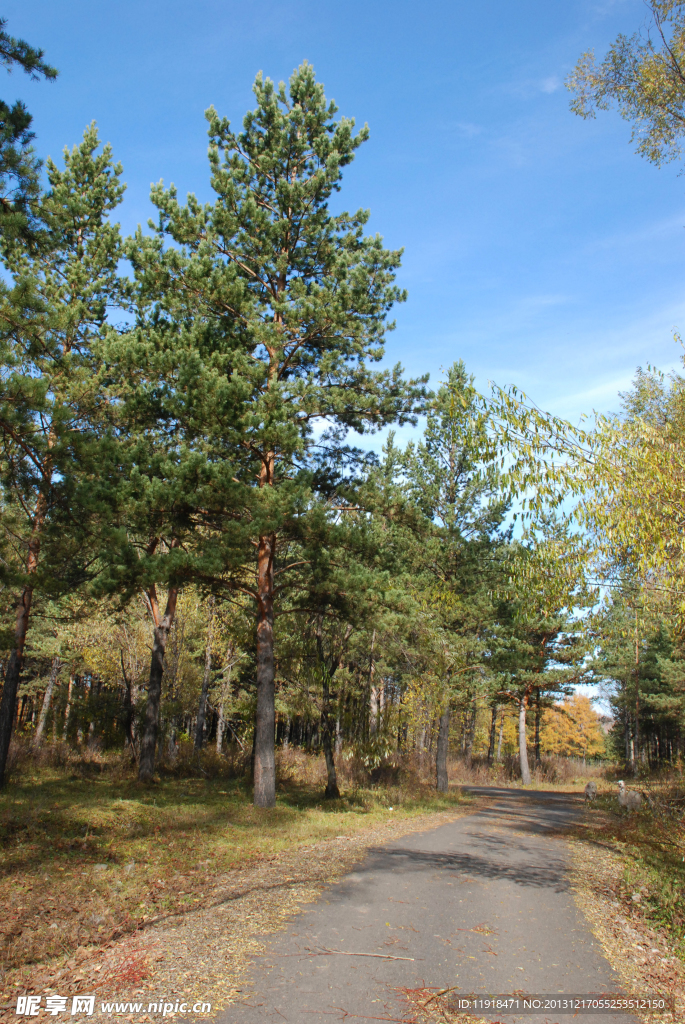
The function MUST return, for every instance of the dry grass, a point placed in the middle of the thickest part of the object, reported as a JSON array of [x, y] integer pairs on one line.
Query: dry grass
[[559, 773], [109, 886], [628, 880]]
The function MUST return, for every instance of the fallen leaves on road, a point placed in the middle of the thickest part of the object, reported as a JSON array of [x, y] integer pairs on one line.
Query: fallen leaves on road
[[431, 1007]]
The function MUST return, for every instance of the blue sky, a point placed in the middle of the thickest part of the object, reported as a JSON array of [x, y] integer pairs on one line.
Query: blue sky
[[538, 247]]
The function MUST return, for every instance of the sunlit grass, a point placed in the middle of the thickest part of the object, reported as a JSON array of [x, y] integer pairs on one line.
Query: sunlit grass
[[85, 860]]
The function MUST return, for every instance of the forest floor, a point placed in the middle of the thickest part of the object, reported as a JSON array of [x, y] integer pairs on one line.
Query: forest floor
[[95, 869]]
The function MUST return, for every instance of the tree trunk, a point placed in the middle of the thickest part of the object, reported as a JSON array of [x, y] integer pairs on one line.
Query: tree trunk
[[12, 673], [499, 740], [373, 696], [332, 791], [470, 731], [128, 707], [148, 744], [442, 750], [538, 714], [493, 733], [338, 736], [54, 672], [206, 679], [67, 709], [265, 721], [523, 747], [373, 711], [220, 729], [23, 613]]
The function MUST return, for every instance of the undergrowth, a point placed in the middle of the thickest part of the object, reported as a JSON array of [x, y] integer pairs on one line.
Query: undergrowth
[[651, 843]]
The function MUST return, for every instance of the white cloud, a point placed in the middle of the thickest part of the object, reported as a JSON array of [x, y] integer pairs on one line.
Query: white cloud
[[550, 84]]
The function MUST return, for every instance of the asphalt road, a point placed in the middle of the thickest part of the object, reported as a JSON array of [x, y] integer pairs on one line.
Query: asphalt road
[[482, 904]]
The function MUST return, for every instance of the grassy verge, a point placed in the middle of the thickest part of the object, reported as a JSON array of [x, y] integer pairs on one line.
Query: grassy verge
[[89, 857], [629, 883], [651, 848]]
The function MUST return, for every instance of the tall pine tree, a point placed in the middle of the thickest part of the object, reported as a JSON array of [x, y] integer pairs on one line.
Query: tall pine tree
[[51, 395], [287, 302]]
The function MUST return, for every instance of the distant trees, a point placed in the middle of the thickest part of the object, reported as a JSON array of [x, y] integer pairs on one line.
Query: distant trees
[[452, 479], [573, 728]]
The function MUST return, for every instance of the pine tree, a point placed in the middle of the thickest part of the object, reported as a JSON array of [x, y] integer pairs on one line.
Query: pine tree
[[19, 168], [53, 385], [540, 648], [286, 304], [452, 478]]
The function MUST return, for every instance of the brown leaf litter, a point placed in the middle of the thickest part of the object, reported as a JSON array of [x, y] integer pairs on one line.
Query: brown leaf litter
[[638, 952]]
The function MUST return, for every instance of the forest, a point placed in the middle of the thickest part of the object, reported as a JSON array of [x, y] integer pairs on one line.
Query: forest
[[201, 548], [276, 614]]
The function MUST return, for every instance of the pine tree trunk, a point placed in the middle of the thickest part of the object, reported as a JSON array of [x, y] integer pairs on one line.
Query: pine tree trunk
[[538, 715], [338, 736], [332, 791], [373, 699], [206, 679], [471, 732], [128, 705], [493, 733], [148, 743], [220, 729], [442, 750], [264, 753], [23, 613], [54, 672], [12, 673], [523, 747], [373, 711]]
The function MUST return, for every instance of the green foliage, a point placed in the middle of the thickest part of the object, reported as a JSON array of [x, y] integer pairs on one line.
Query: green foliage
[[53, 424], [19, 168]]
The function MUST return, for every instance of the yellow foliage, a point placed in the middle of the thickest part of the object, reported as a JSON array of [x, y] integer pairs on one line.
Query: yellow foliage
[[572, 729]]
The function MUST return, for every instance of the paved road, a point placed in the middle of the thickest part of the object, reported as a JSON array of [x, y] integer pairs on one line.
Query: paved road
[[482, 903]]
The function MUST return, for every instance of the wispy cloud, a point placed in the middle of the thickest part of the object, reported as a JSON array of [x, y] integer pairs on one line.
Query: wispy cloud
[[466, 129], [646, 232], [550, 84]]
